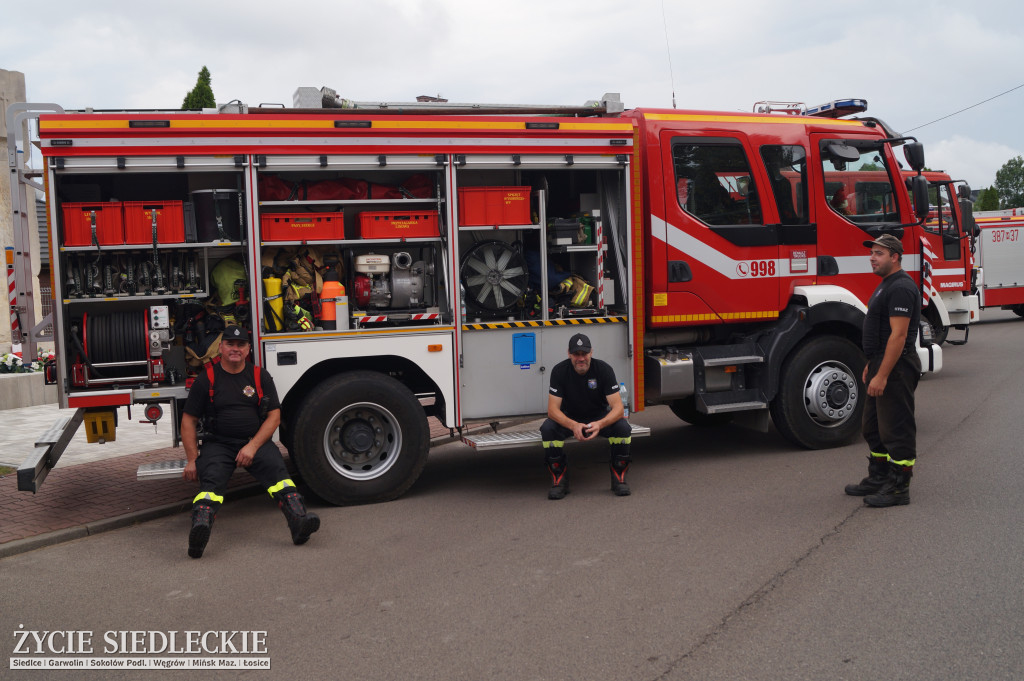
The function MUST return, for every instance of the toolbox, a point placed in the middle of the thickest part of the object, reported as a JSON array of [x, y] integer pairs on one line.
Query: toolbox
[[78, 223], [138, 222], [397, 225], [303, 226], [494, 206]]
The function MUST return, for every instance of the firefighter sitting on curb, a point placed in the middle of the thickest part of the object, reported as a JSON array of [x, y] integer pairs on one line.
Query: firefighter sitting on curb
[[240, 413], [584, 402]]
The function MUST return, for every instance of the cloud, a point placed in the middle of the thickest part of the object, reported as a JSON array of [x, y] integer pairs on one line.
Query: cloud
[[969, 159]]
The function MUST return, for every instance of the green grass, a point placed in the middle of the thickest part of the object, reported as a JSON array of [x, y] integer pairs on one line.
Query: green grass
[[4, 470]]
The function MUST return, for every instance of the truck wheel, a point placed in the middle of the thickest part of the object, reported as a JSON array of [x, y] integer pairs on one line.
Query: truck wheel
[[686, 409], [819, 403], [939, 330], [1018, 310], [360, 437]]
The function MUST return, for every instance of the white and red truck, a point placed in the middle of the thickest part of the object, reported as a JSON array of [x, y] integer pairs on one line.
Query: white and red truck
[[399, 261]]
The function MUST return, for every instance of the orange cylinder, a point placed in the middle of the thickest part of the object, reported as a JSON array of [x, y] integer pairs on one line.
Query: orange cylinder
[[328, 308]]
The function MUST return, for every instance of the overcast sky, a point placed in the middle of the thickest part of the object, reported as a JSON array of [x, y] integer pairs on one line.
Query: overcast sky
[[914, 62]]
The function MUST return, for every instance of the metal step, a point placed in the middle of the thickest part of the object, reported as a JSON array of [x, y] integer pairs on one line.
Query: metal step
[[47, 452], [162, 470], [519, 438], [726, 355], [731, 400]]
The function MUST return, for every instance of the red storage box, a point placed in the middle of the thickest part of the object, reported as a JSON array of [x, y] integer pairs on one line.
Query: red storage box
[[303, 226], [138, 222], [494, 206], [397, 225], [78, 223]]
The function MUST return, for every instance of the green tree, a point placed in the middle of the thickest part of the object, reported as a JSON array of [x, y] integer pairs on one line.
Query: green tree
[[988, 199], [1010, 183], [201, 96]]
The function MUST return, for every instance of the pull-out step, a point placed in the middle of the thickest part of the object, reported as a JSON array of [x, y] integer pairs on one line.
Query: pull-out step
[[518, 438], [162, 470], [728, 355]]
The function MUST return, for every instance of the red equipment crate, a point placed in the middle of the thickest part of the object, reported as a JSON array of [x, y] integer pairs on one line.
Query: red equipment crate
[[397, 225], [494, 206], [303, 226], [78, 223], [138, 222]]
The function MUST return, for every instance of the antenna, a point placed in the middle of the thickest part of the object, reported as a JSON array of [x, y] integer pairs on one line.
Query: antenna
[[671, 75]]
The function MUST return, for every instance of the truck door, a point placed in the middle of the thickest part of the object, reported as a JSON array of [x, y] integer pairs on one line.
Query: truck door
[[856, 197], [721, 255]]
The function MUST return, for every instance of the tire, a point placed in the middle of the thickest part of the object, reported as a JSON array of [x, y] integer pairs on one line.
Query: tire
[[939, 330], [360, 437], [828, 368], [686, 409], [1018, 310]]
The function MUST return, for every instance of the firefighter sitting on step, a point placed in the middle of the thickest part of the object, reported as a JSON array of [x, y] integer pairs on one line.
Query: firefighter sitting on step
[[584, 402], [240, 413]]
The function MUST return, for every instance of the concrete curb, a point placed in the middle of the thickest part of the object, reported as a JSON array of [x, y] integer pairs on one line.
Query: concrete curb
[[18, 546]]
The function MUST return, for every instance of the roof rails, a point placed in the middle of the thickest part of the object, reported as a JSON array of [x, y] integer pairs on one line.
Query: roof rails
[[326, 98], [837, 108]]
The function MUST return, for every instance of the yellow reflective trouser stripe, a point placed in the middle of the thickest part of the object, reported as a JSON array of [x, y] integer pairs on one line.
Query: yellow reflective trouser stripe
[[280, 486], [208, 496], [552, 443], [619, 440], [906, 463]]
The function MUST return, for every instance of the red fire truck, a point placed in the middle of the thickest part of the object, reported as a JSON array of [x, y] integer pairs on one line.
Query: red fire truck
[[400, 261]]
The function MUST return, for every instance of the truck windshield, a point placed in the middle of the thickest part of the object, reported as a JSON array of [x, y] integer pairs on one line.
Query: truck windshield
[[858, 184]]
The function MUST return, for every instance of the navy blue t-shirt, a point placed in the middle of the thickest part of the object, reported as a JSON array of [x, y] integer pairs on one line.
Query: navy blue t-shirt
[[584, 398], [236, 405], [896, 296]]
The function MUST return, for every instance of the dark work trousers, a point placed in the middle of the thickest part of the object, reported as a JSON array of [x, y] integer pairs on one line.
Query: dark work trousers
[[216, 463], [889, 427], [619, 434]]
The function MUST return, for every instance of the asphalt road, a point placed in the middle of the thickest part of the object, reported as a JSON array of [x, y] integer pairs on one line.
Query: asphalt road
[[737, 557]]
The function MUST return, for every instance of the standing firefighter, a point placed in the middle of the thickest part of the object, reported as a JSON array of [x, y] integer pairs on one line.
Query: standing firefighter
[[240, 410], [584, 402], [891, 376]]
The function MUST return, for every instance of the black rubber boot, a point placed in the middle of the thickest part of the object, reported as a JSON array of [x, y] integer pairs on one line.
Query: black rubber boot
[[619, 466], [557, 467], [895, 491], [203, 514], [878, 473], [300, 522]]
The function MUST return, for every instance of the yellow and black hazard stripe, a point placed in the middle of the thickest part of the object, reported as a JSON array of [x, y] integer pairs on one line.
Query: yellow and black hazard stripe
[[489, 326]]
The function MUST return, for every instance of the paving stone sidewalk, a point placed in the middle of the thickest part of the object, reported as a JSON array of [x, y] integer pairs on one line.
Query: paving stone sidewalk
[[90, 496]]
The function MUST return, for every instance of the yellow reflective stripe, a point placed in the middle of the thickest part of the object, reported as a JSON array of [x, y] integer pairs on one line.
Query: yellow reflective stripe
[[208, 496], [280, 486], [906, 463], [879, 455], [619, 440], [552, 443]]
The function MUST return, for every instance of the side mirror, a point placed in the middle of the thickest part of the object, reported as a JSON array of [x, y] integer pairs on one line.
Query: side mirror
[[914, 153], [963, 190], [967, 215], [919, 190], [842, 153]]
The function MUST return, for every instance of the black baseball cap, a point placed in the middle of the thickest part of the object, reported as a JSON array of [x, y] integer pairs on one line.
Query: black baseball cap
[[579, 343], [236, 333], [886, 241]]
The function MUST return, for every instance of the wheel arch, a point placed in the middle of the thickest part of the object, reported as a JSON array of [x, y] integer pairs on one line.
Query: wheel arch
[[402, 369], [802, 321]]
